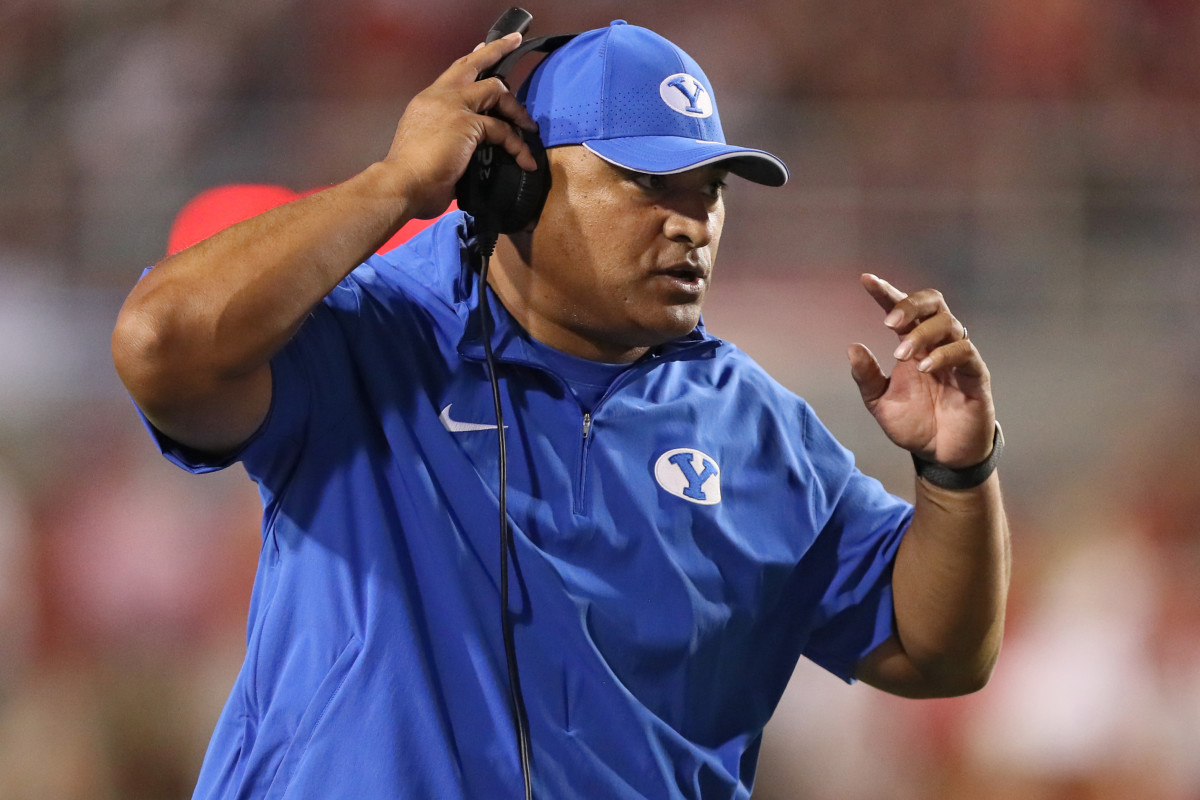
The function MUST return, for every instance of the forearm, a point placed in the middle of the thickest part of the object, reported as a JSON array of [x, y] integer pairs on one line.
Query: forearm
[[197, 332], [223, 307], [950, 586]]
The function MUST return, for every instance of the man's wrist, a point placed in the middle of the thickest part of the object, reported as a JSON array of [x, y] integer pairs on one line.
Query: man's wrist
[[965, 478]]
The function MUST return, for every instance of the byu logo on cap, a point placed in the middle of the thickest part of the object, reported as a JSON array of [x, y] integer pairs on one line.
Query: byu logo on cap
[[685, 94], [689, 474]]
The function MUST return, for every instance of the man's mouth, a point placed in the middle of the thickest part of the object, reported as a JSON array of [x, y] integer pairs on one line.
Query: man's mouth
[[687, 273], [686, 282]]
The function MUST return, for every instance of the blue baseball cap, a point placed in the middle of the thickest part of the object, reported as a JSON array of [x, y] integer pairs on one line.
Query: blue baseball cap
[[636, 100]]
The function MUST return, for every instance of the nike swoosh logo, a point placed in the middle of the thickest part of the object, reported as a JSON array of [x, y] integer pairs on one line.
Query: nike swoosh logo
[[454, 426]]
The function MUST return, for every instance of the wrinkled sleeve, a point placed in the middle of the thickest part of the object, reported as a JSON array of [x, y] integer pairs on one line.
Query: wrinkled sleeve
[[303, 380], [849, 566]]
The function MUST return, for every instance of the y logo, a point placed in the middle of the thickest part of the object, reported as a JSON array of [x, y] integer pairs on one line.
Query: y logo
[[689, 474], [685, 94]]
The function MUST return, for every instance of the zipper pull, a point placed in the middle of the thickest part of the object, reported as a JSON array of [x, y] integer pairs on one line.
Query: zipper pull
[[587, 423]]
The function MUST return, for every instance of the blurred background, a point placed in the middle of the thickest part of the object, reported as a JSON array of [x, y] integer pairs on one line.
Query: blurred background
[[1037, 160]]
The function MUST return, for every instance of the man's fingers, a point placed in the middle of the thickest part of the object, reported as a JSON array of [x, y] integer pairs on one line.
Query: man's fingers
[[493, 98], [914, 308], [865, 370], [484, 56], [514, 112], [903, 310], [928, 331], [500, 116], [928, 334], [960, 355], [498, 132], [886, 295]]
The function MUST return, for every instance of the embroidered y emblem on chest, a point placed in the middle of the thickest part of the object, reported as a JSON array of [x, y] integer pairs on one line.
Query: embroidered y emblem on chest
[[689, 474]]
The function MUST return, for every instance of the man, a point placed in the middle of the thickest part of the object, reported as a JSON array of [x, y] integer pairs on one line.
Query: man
[[683, 528]]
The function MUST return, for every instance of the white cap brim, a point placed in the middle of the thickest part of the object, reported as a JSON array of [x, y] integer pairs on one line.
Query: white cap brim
[[668, 155]]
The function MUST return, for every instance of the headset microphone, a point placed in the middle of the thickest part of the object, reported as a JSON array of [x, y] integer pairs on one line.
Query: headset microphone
[[515, 20]]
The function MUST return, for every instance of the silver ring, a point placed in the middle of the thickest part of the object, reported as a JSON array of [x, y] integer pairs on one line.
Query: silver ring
[[965, 334]]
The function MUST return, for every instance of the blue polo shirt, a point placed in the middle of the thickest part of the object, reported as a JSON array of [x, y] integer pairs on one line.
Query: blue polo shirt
[[678, 546]]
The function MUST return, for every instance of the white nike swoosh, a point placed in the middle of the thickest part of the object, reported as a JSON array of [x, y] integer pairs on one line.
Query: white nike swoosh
[[454, 426]]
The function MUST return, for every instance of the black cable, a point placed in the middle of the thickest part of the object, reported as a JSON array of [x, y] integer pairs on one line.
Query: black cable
[[487, 243]]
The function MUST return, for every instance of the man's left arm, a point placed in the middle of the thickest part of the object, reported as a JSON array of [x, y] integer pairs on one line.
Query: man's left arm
[[951, 575]]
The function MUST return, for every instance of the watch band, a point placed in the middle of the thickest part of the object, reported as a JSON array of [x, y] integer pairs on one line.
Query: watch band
[[965, 478]]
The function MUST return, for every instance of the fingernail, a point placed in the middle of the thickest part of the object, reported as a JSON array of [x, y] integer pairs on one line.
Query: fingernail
[[478, 47], [903, 351], [893, 319], [925, 365]]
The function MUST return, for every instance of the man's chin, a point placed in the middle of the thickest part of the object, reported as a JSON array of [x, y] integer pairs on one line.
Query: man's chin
[[681, 321]]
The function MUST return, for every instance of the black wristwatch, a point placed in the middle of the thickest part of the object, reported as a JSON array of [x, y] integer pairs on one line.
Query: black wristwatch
[[965, 478]]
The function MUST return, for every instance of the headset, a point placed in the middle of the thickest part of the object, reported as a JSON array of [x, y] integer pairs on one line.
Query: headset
[[495, 190], [503, 198]]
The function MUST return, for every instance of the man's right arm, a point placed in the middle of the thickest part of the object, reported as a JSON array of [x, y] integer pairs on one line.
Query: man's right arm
[[194, 339]]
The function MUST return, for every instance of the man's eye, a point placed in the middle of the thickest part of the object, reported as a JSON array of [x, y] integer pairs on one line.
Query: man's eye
[[716, 188], [652, 183]]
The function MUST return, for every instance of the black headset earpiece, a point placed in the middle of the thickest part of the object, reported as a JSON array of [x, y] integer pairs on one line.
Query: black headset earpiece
[[494, 189], [498, 193]]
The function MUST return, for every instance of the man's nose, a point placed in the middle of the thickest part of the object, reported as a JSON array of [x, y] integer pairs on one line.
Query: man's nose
[[691, 221]]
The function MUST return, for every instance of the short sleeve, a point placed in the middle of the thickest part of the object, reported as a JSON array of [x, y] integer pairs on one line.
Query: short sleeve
[[850, 562], [303, 383]]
